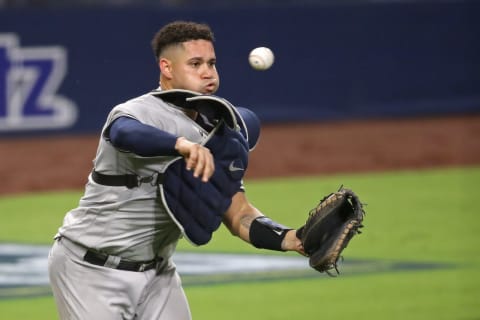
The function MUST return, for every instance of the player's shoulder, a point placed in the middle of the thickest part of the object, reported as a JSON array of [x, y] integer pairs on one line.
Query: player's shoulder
[[144, 101]]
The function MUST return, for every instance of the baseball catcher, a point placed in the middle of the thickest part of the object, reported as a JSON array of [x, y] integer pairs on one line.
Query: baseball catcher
[[330, 227]]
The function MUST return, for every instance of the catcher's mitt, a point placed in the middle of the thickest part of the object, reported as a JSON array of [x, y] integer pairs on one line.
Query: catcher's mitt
[[330, 227]]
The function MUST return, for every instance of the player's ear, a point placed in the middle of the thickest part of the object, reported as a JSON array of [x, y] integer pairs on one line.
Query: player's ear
[[165, 67]]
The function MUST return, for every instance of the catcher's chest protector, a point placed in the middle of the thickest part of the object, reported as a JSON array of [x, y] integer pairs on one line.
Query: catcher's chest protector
[[197, 207]]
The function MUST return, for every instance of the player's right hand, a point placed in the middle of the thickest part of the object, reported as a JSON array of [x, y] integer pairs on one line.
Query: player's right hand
[[197, 157]]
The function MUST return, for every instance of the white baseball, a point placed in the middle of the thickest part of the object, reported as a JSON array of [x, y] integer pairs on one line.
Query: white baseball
[[261, 58]]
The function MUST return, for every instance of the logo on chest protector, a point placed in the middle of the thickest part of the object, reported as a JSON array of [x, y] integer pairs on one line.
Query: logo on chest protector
[[233, 168], [236, 169]]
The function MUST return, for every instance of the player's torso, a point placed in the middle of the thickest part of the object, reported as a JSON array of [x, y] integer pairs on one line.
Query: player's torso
[[132, 222]]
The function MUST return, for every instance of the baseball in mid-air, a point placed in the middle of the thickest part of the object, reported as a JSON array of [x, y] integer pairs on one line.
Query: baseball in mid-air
[[261, 58]]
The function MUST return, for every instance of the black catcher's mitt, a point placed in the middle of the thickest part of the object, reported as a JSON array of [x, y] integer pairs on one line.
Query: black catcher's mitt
[[330, 227]]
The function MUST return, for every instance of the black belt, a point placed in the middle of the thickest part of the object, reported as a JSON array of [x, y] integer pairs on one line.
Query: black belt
[[126, 180], [100, 259]]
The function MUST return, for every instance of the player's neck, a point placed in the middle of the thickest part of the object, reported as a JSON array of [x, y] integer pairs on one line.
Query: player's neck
[[165, 85]]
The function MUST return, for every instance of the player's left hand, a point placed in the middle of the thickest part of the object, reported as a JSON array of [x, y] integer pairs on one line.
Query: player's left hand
[[292, 243]]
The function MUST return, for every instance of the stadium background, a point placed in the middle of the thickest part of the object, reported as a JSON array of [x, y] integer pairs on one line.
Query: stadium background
[[357, 86], [339, 64]]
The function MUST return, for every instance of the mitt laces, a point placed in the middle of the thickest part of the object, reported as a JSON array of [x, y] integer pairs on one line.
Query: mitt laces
[[332, 268]]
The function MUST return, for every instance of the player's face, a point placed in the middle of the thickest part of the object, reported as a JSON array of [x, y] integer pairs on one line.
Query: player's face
[[193, 67]]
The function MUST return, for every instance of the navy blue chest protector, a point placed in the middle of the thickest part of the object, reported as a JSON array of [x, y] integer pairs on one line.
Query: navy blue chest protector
[[198, 206]]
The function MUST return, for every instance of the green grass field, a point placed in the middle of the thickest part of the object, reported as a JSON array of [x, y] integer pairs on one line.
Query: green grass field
[[412, 216]]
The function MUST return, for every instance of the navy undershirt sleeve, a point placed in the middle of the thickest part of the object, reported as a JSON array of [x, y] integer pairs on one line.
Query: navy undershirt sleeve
[[131, 135]]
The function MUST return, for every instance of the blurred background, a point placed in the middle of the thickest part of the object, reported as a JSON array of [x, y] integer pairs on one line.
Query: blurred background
[[391, 86], [65, 64]]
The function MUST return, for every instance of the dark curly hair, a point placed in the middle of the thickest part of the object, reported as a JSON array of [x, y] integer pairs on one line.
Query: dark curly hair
[[180, 31]]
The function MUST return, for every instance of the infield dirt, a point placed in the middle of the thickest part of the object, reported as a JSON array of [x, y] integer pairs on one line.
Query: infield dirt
[[321, 148]]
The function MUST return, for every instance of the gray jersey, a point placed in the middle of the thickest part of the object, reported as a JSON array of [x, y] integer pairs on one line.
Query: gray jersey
[[131, 223]]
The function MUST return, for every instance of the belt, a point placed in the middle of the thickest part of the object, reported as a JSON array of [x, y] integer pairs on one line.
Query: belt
[[114, 262], [105, 260], [126, 180]]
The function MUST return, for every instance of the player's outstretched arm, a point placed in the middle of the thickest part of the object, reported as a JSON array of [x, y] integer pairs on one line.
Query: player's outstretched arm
[[249, 224]]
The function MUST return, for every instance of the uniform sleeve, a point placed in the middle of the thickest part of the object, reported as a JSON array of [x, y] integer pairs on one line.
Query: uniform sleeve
[[117, 112], [128, 134]]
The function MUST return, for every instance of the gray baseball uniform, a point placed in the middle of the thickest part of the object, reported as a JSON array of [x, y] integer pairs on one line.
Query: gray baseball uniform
[[124, 224]]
